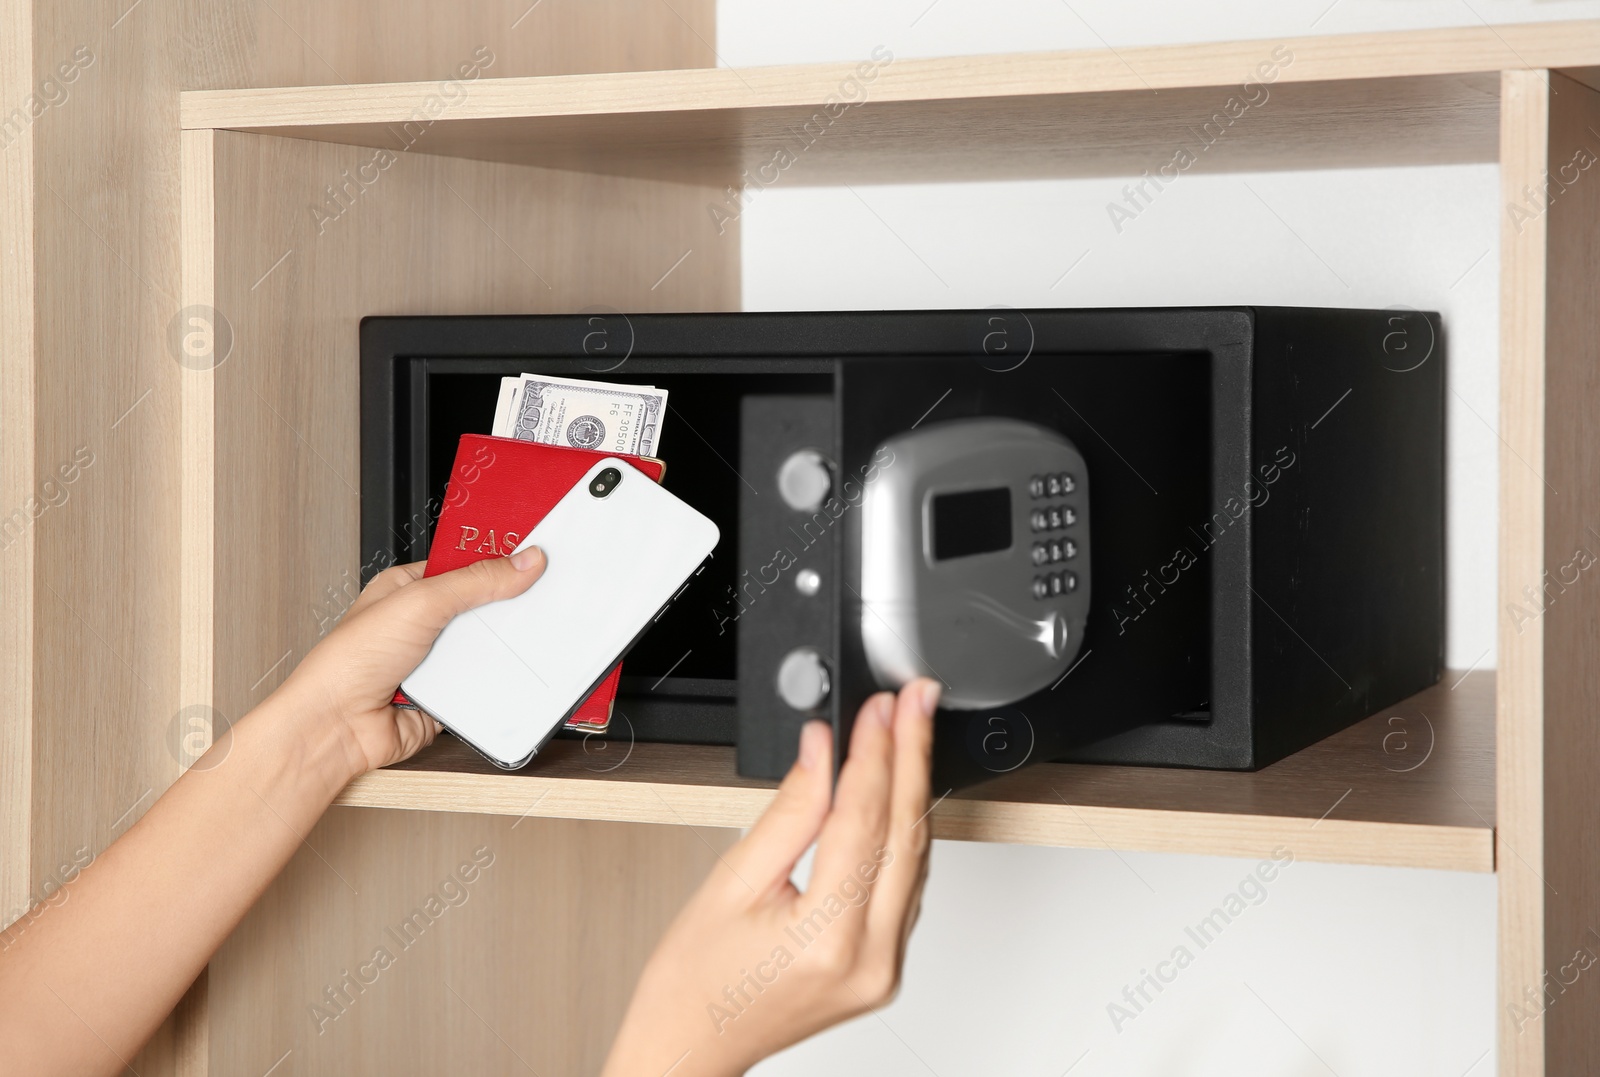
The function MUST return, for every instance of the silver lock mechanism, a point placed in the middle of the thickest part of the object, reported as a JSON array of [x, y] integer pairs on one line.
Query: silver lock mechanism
[[975, 560]]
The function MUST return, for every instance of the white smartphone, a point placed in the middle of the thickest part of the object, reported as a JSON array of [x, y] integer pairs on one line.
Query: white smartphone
[[504, 677]]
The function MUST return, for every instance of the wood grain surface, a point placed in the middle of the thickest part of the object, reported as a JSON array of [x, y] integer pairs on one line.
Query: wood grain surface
[[1433, 119], [18, 489], [97, 619], [294, 273], [1549, 631], [1413, 785]]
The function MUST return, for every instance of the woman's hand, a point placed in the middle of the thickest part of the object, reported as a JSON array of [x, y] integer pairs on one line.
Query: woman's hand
[[753, 965], [110, 956], [347, 679]]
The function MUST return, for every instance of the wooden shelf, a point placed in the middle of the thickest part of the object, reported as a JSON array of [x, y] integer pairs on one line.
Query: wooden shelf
[[628, 164], [1424, 97], [1412, 786]]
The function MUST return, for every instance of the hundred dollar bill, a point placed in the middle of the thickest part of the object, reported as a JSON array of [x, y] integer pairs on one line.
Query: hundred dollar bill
[[599, 415]]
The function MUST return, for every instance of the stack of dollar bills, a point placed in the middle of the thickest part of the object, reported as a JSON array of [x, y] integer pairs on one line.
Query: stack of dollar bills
[[600, 415]]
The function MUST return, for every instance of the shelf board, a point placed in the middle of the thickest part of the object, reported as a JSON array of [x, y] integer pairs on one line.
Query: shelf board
[[1421, 97], [1411, 786]]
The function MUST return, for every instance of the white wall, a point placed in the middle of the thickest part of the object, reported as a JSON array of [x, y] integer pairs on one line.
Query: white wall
[[1422, 237], [1021, 950]]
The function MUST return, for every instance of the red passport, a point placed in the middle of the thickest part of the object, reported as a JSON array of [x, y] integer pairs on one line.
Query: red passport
[[499, 489]]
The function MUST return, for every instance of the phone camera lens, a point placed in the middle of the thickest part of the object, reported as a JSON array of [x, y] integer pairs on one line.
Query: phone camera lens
[[605, 482]]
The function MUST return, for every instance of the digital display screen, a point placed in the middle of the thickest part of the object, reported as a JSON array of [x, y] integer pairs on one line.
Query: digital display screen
[[971, 522]]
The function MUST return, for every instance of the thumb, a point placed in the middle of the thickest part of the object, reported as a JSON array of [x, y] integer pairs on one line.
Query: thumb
[[432, 603]]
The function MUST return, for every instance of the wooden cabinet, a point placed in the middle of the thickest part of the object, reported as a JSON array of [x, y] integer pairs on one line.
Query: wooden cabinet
[[187, 576]]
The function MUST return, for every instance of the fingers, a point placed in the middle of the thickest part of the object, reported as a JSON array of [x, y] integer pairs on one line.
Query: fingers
[[387, 583], [856, 831], [377, 646], [898, 893], [414, 731], [766, 856], [429, 604]]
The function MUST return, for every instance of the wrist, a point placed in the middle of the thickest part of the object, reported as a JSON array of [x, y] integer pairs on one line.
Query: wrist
[[319, 744], [649, 1057], [656, 1038]]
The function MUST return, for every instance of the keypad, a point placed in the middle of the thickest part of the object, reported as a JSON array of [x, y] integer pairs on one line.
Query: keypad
[[1048, 551], [1052, 517], [1054, 485], [1054, 550], [1053, 584]]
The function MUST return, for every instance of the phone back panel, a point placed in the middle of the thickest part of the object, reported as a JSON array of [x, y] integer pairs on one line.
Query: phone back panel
[[505, 676]]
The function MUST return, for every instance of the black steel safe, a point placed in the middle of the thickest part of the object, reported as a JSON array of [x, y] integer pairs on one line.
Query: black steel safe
[[1267, 508]]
